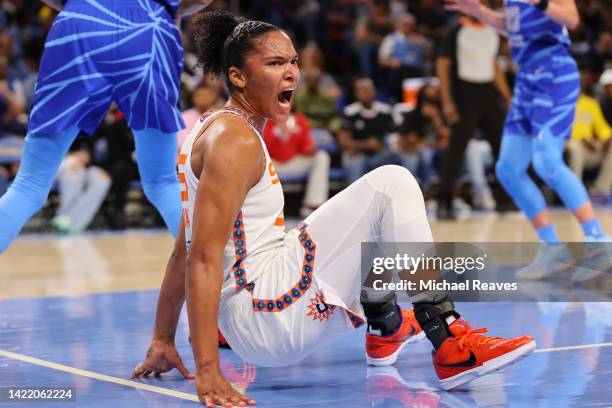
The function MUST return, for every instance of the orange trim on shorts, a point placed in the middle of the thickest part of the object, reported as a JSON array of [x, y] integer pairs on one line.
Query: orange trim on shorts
[[240, 250], [291, 296]]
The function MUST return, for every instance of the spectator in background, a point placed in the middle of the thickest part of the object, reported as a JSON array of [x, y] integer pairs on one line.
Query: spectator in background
[[338, 19], [603, 49], [470, 84], [11, 105], [589, 146], [404, 53], [204, 98], [311, 57], [318, 107], [606, 104], [479, 157], [113, 143], [32, 53], [294, 153], [369, 33], [11, 149], [424, 136], [82, 189], [366, 123], [431, 18]]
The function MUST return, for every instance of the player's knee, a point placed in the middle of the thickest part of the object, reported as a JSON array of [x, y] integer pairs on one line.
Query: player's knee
[[391, 177], [155, 187], [506, 172], [34, 192], [546, 166], [322, 158]]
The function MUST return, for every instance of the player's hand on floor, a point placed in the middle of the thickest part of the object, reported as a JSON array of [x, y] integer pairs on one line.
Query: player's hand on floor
[[161, 357], [213, 389]]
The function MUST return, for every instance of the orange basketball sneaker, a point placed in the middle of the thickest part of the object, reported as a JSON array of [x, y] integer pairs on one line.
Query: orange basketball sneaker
[[469, 355], [383, 351]]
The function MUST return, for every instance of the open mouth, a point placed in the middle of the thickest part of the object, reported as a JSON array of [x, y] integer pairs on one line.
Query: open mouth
[[286, 96]]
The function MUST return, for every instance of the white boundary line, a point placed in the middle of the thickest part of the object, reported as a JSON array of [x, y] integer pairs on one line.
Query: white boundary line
[[101, 377], [582, 346], [184, 395]]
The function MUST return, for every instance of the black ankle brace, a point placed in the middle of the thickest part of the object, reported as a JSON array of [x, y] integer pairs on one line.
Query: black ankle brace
[[384, 315], [432, 319]]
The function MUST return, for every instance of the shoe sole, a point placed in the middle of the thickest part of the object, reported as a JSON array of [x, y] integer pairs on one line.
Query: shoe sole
[[392, 358], [488, 366]]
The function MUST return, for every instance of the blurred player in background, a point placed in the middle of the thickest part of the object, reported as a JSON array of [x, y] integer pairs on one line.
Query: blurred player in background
[[542, 110], [97, 52]]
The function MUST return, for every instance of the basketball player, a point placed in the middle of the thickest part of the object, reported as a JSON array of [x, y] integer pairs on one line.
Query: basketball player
[[278, 296], [97, 52], [542, 111]]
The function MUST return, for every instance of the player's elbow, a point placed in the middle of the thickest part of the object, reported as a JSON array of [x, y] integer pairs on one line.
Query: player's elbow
[[573, 20]]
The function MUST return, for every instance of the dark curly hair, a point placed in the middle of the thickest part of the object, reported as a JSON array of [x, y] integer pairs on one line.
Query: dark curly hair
[[224, 39]]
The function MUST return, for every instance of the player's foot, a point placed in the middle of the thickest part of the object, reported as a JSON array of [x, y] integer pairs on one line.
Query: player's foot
[[383, 350], [596, 259], [550, 259], [469, 354]]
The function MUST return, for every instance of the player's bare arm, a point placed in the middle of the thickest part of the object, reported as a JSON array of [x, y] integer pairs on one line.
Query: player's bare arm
[[230, 162], [562, 11], [475, 8], [162, 355]]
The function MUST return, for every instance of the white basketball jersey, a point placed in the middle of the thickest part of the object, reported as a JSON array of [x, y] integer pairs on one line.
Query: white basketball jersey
[[259, 225]]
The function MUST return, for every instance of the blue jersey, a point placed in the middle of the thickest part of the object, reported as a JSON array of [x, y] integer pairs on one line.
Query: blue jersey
[[98, 51], [533, 35]]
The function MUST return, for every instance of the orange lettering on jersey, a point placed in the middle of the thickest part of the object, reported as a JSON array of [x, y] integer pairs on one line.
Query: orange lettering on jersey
[[272, 171], [183, 183], [186, 219], [182, 159], [280, 221]]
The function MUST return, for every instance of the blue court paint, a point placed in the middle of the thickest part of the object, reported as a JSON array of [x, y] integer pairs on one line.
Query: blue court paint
[[109, 334]]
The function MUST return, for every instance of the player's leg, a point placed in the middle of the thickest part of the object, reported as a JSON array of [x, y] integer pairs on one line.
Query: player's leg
[[514, 159], [156, 158], [42, 155], [70, 95], [391, 209], [553, 116], [149, 100]]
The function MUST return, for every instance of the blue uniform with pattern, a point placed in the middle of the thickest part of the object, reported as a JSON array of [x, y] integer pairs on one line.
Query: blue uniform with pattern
[[541, 116], [98, 51], [547, 85]]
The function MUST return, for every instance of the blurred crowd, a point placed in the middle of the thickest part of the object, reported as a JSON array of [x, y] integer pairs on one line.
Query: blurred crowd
[[372, 93]]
